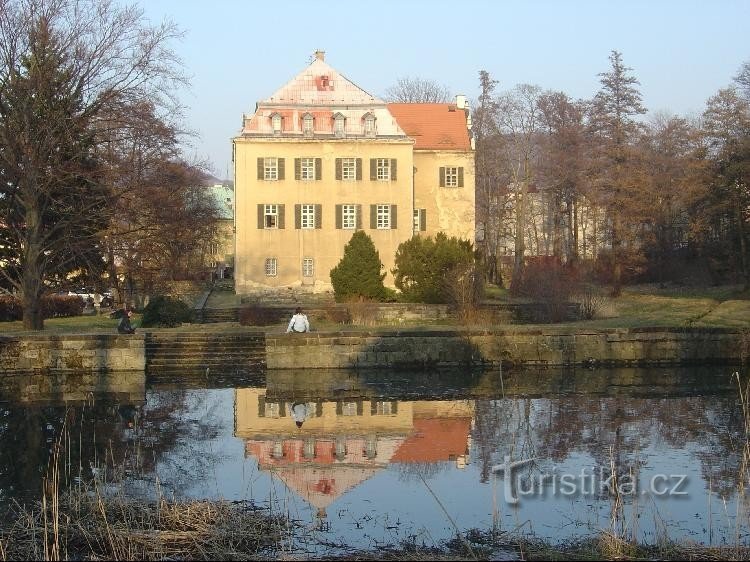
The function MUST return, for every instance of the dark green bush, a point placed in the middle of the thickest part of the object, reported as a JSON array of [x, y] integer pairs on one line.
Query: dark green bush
[[166, 312], [426, 268], [358, 272]]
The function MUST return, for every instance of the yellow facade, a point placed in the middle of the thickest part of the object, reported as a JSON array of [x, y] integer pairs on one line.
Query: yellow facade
[[447, 209], [325, 245], [291, 226]]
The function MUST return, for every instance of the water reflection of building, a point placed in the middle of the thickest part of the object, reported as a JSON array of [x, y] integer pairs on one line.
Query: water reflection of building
[[346, 441]]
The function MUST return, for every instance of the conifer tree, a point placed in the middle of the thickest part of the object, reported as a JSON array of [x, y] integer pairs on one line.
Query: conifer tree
[[358, 272]]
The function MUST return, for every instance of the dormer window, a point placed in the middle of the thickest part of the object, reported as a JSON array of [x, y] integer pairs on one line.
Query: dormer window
[[308, 125], [369, 125], [338, 125], [276, 123]]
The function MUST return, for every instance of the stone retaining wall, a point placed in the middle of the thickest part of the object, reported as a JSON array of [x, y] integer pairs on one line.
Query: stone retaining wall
[[78, 353], [426, 348]]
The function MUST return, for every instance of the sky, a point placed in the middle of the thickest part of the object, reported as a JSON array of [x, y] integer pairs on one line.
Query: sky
[[238, 52]]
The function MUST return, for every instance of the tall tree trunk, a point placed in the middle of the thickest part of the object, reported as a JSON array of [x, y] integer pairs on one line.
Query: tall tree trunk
[[520, 242]]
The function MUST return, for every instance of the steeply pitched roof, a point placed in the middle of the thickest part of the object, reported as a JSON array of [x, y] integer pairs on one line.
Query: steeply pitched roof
[[321, 84], [434, 126]]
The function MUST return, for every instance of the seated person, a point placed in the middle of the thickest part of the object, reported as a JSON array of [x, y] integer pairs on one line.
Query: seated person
[[124, 326]]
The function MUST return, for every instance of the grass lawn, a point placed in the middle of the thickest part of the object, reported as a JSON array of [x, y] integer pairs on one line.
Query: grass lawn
[[638, 306]]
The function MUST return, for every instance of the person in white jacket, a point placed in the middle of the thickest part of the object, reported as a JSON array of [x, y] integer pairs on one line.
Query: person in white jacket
[[298, 323]]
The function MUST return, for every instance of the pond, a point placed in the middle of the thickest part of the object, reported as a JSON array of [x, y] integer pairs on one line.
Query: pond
[[385, 458]]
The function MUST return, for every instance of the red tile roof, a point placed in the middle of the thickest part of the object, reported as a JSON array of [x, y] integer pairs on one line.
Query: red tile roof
[[434, 126]]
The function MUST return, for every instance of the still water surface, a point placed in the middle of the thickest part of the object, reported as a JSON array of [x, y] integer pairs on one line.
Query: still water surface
[[382, 458]]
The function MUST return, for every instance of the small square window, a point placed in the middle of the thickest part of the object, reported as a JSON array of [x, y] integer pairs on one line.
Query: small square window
[[271, 267], [308, 267]]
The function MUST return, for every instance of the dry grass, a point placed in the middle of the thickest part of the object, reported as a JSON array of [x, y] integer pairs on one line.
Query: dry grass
[[85, 525]]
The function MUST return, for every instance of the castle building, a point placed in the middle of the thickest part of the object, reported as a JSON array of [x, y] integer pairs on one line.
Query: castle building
[[322, 158]]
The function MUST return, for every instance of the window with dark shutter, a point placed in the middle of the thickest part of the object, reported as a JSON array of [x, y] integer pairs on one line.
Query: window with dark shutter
[[318, 216], [359, 169], [358, 217], [393, 216], [393, 169], [373, 169], [338, 168], [318, 168], [461, 176], [298, 168], [422, 219], [297, 216], [442, 176], [373, 216], [260, 168], [281, 216], [339, 211], [261, 223], [281, 168]]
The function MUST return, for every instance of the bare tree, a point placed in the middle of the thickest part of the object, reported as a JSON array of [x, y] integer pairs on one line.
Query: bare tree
[[417, 90], [519, 122], [70, 71]]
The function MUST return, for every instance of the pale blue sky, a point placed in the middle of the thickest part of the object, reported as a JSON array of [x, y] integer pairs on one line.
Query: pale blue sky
[[239, 52]]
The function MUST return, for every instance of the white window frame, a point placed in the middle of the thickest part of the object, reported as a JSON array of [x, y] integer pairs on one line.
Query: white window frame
[[308, 267], [276, 123], [451, 176], [307, 169], [348, 217], [384, 408], [383, 215], [369, 129], [349, 409], [383, 169], [307, 216], [271, 169], [416, 226], [349, 169], [271, 267], [339, 126], [308, 125], [270, 216]]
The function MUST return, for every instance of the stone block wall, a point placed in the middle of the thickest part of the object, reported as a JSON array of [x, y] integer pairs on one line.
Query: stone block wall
[[72, 353], [425, 348]]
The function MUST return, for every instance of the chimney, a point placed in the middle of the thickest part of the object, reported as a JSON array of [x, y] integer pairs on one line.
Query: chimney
[[461, 101], [320, 55]]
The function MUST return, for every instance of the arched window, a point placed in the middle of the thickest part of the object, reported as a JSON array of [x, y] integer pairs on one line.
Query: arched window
[[308, 124], [369, 125], [276, 123], [338, 125]]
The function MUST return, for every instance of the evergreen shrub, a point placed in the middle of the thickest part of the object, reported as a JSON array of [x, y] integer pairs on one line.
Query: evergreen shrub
[[358, 272], [166, 312]]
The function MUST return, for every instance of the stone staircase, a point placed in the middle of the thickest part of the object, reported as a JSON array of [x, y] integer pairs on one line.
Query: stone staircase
[[205, 353], [213, 315]]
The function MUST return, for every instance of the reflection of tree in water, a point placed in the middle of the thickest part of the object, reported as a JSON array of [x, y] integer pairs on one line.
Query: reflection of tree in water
[[163, 437], [502, 428], [175, 425], [29, 434], [416, 471], [710, 428]]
